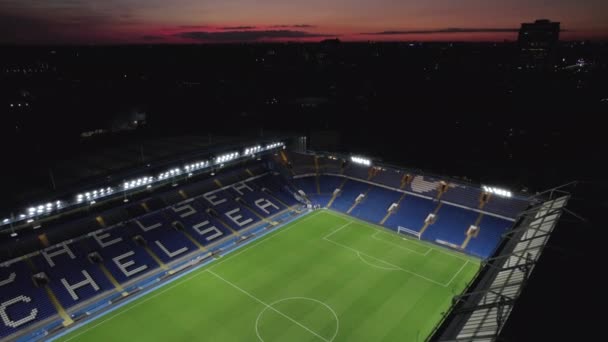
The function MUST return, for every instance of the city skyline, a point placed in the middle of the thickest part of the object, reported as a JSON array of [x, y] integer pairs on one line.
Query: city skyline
[[215, 21]]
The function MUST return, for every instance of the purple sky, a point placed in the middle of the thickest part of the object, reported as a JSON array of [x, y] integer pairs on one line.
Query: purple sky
[[188, 21]]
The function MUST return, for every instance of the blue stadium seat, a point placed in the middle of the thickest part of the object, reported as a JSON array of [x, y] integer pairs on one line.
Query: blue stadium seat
[[25, 304], [509, 207], [329, 184], [411, 213], [490, 233], [463, 195], [68, 262], [374, 207], [451, 224], [388, 177], [350, 191]]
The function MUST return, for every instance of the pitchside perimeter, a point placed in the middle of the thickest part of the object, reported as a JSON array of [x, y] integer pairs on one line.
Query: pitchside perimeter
[[325, 277]]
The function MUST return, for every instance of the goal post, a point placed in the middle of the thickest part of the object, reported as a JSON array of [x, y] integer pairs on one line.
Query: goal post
[[403, 230]]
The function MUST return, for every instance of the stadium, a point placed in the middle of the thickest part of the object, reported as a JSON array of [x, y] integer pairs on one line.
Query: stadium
[[269, 241]]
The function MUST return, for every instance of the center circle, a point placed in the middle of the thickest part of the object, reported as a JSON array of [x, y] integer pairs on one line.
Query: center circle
[[276, 307]]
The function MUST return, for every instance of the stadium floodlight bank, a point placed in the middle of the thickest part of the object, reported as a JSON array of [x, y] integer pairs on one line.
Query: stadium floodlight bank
[[361, 160], [123, 188], [497, 191]]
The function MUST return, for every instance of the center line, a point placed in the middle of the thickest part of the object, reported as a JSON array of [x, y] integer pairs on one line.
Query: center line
[[268, 306]]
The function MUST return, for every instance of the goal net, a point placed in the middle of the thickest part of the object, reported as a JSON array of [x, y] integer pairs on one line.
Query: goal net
[[403, 230]]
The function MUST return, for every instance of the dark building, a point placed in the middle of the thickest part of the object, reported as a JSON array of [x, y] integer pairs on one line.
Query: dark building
[[538, 42]]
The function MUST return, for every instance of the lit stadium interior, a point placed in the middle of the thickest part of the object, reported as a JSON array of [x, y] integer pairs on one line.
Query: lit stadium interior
[[302, 245]]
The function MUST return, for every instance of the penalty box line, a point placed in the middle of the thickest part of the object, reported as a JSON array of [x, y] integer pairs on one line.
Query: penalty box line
[[387, 230], [428, 250], [267, 305], [358, 252]]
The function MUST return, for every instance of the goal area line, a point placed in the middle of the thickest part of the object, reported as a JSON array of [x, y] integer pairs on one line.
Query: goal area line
[[403, 230]]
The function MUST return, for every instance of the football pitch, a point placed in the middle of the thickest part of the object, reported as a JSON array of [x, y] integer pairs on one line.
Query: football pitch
[[323, 277]]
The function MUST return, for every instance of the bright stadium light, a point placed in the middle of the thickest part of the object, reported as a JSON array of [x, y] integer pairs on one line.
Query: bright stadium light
[[497, 191], [362, 161], [94, 195]]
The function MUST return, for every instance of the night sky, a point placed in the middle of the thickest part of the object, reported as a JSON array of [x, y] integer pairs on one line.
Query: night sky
[[192, 21]]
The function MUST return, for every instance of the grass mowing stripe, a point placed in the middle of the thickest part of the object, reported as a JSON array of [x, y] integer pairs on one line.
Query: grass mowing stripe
[[134, 305], [268, 306], [358, 252], [142, 300], [266, 238], [374, 236], [372, 305]]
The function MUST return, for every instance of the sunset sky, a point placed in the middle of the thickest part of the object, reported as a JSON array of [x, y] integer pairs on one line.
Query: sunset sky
[[218, 21]]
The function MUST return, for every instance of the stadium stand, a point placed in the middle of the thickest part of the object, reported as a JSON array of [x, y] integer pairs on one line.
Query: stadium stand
[[98, 254], [349, 192], [451, 224], [463, 195], [329, 165], [302, 163], [24, 303], [389, 177], [411, 213], [374, 207], [127, 243], [456, 209], [357, 171]]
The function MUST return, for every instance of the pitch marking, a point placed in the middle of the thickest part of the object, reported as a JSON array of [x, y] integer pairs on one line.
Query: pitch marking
[[268, 306], [298, 298]]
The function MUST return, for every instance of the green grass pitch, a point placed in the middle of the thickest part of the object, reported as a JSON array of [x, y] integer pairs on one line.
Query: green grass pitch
[[324, 277]]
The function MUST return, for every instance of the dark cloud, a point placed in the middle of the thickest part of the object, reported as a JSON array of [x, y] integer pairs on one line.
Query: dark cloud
[[248, 36], [446, 30], [294, 26], [193, 27], [152, 37], [239, 28]]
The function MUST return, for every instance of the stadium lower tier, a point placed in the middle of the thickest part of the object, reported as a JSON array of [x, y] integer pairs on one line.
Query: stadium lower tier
[[64, 276], [471, 230]]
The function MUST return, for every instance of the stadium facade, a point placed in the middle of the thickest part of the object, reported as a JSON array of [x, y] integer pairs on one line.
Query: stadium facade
[[69, 261]]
